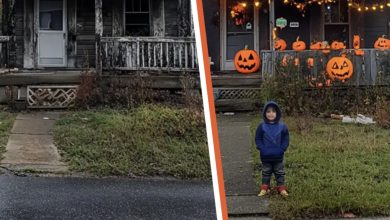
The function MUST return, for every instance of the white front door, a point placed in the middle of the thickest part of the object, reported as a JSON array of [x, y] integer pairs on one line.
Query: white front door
[[239, 28], [51, 33]]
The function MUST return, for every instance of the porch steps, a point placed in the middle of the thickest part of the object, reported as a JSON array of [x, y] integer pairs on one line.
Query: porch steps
[[234, 92]]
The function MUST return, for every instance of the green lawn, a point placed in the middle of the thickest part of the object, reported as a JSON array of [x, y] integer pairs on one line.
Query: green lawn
[[147, 141], [333, 168], [6, 123]]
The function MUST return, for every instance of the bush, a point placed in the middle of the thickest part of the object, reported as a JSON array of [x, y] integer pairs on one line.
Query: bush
[[301, 93]]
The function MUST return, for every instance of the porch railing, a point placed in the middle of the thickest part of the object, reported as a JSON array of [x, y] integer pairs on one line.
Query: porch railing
[[149, 53], [4, 51], [373, 68]]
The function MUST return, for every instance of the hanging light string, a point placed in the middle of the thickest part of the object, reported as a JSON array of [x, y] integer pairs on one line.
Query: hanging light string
[[359, 5]]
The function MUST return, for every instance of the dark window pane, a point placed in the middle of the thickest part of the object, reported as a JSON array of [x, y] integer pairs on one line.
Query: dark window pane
[[137, 19], [129, 5], [50, 15], [343, 11], [135, 30], [137, 5], [337, 32], [145, 5]]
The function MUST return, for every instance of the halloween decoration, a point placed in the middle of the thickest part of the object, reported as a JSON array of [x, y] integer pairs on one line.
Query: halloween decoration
[[296, 62], [382, 43], [356, 41], [285, 60], [340, 68], [316, 46], [246, 61], [336, 45], [238, 14], [356, 45], [299, 45], [325, 48], [310, 62], [280, 44]]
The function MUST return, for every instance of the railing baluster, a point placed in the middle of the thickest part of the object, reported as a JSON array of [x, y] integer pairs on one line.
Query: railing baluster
[[137, 53], [161, 54], [180, 52], [186, 54], [174, 55], [154, 54], [167, 54], [149, 56], [142, 53], [192, 56]]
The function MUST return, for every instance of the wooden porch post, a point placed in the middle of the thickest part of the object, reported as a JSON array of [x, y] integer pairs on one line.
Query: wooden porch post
[[9, 29], [98, 35], [271, 4]]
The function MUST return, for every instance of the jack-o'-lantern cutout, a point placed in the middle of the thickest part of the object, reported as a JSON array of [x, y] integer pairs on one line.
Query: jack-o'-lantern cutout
[[356, 41], [339, 68], [382, 43], [336, 45], [285, 60], [310, 62], [316, 46], [356, 45], [359, 52], [280, 44], [246, 61], [299, 45], [325, 48], [297, 62]]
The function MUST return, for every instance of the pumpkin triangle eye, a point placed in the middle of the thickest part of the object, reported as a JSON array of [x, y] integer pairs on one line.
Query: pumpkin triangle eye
[[251, 57], [345, 64], [335, 66], [240, 57]]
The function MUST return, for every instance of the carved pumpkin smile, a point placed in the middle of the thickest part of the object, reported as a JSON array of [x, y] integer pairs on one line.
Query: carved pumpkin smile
[[247, 61], [244, 60], [340, 68]]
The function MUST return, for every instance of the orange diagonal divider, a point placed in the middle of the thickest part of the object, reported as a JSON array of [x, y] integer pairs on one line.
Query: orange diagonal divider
[[209, 110]]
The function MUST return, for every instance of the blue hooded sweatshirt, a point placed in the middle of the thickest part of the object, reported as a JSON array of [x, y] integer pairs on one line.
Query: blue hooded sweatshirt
[[272, 138]]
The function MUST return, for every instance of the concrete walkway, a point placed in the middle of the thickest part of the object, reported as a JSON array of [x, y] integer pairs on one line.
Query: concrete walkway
[[236, 150], [30, 145]]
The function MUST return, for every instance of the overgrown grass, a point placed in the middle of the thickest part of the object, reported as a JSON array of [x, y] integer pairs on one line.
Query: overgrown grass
[[334, 168], [6, 122], [146, 141]]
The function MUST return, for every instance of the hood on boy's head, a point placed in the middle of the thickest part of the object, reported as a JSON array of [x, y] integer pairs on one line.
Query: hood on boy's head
[[277, 109]]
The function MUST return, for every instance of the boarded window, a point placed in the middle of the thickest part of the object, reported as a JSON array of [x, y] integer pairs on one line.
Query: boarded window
[[337, 22], [137, 17]]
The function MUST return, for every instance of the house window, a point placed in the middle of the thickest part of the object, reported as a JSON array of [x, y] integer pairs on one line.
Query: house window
[[137, 17], [337, 22]]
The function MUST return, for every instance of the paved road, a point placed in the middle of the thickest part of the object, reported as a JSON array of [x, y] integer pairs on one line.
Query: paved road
[[108, 198]]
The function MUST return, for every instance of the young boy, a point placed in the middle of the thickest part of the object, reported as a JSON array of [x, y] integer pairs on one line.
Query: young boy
[[272, 140]]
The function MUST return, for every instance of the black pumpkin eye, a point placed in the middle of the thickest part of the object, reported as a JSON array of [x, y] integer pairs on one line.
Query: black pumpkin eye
[[251, 57], [240, 58], [335, 66], [345, 64]]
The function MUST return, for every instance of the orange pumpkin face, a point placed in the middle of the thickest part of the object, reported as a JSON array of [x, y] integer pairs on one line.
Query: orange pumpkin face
[[336, 45], [359, 52], [382, 44], [299, 45], [356, 41], [316, 46], [280, 44], [246, 61], [340, 68], [310, 62], [285, 60]]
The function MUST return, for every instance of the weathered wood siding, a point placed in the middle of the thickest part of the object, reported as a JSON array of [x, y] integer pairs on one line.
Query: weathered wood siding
[[86, 30], [19, 32], [171, 27], [375, 24]]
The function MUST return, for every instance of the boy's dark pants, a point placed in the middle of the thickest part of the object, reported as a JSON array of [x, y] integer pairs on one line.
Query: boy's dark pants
[[273, 167]]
